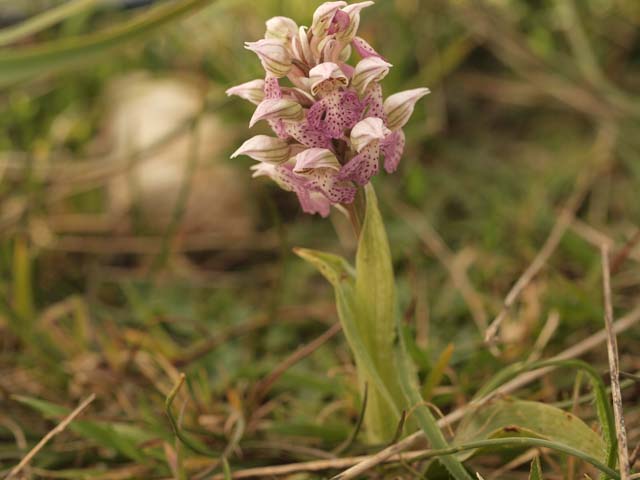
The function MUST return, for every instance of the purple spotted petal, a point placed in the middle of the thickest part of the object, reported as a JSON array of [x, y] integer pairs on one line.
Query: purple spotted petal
[[327, 181], [311, 201], [363, 166], [279, 128], [272, 88], [373, 101], [363, 48], [307, 135], [392, 147], [335, 113], [314, 202]]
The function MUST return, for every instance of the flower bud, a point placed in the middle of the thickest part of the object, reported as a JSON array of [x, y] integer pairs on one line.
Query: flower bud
[[313, 158], [327, 71], [323, 16], [273, 54], [265, 149], [300, 46], [282, 28], [339, 23], [399, 106], [371, 69], [371, 129], [252, 91], [353, 11], [279, 108]]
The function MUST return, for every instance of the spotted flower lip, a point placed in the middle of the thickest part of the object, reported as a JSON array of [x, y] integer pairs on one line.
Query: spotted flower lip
[[334, 129]]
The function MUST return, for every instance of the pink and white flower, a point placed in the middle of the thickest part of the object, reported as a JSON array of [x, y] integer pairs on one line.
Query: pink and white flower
[[332, 123]]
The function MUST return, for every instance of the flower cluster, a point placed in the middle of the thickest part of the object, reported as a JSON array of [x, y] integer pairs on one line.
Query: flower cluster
[[331, 123]]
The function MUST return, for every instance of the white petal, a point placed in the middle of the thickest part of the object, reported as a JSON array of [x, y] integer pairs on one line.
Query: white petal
[[264, 149], [273, 54], [367, 131], [281, 27], [252, 91], [399, 106], [313, 158], [323, 15], [277, 108], [370, 69]]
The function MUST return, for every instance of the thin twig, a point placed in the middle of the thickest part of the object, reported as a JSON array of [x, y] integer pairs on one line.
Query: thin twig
[[614, 368], [625, 252], [549, 328], [346, 445], [265, 384], [434, 242], [560, 227], [601, 153], [58, 429]]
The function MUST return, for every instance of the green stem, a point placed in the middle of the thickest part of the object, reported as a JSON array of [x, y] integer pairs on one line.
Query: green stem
[[357, 211], [512, 442], [423, 414]]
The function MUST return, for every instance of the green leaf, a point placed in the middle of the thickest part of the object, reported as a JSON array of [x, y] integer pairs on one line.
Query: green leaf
[[513, 418], [22, 63], [437, 373], [375, 289], [121, 437], [536, 470], [40, 22], [375, 300], [603, 406], [338, 272], [341, 276]]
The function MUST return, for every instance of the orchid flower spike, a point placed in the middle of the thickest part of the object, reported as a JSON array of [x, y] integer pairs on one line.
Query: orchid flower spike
[[332, 123]]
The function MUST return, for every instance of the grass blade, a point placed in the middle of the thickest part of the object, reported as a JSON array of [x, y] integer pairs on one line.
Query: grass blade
[[23, 63], [44, 20]]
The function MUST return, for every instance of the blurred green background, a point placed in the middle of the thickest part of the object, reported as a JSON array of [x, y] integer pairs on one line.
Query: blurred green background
[[132, 248]]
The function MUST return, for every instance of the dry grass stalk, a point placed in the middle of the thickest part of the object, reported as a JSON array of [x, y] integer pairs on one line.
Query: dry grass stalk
[[434, 242], [58, 429], [602, 149], [549, 328], [263, 387], [552, 242], [614, 368]]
